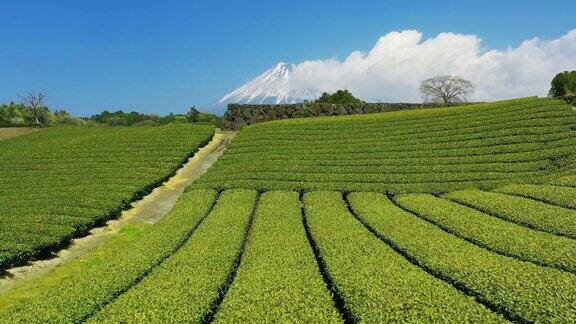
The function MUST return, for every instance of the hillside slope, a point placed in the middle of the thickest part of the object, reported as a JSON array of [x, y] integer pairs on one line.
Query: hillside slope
[[526, 140], [61, 182], [243, 255]]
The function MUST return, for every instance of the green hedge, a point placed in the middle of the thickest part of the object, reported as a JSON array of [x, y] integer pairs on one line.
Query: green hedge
[[493, 233], [376, 283], [523, 291], [239, 115], [77, 290], [80, 177], [278, 279], [555, 195], [524, 211], [527, 140], [184, 287]]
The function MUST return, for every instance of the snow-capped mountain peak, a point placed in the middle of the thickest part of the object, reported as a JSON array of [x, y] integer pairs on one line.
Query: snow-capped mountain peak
[[272, 86]]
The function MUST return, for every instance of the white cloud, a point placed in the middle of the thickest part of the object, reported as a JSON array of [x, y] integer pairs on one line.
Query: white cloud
[[394, 67]]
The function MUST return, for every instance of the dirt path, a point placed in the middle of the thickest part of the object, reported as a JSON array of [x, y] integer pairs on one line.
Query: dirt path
[[147, 210], [9, 132]]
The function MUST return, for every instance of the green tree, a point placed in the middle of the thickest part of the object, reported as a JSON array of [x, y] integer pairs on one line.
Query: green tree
[[12, 114], [192, 115], [563, 84], [338, 97]]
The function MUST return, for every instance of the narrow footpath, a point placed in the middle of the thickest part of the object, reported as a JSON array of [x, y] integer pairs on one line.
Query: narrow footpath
[[148, 210]]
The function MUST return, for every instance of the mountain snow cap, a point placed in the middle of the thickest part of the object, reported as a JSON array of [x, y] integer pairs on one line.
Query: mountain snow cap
[[274, 86]]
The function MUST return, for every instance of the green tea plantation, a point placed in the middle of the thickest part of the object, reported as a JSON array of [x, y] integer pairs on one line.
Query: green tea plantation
[[58, 183], [457, 214]]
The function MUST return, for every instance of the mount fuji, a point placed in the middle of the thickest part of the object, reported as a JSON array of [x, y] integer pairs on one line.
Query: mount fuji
[[271, 87]]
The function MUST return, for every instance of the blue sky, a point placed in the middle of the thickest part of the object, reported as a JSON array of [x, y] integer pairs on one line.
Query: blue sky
[[164, 56]]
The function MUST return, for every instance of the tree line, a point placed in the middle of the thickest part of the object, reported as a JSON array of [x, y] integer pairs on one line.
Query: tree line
[[32, 111], [121, 118]]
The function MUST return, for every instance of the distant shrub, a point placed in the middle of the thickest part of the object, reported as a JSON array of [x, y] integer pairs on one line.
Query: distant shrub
[[70, 121], [571, 99], [146, 123], [116, 121], [16, 122], [121, 118], [208, 118], [179, 119]]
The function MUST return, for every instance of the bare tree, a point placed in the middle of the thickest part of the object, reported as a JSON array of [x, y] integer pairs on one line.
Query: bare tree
[[446, 89], [36, 107]]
